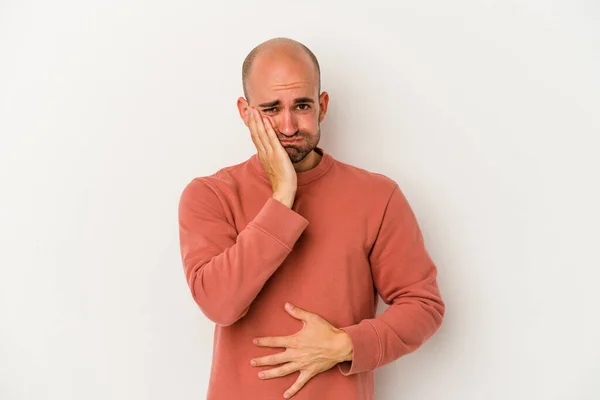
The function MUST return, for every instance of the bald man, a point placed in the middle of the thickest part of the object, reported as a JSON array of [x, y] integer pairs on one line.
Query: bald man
[[288, 251]]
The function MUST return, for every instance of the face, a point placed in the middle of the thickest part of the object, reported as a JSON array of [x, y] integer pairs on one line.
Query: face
[[285, 91]]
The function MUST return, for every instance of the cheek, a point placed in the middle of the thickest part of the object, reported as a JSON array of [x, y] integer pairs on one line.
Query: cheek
[[309, 121]]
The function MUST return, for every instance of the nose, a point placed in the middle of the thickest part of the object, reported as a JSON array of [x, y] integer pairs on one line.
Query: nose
[[287, 123]]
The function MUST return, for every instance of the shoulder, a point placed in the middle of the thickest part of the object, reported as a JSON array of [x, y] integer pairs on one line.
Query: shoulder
[[366, 180], [215, 185]]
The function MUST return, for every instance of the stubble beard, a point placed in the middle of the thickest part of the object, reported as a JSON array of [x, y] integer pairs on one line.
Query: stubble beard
[[299, 153]]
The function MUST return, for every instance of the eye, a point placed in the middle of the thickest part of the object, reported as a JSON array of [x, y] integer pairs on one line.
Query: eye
[[269, 110], [303, 107]]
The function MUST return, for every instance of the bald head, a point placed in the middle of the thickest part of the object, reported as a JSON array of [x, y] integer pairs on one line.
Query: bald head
[[279, 50]]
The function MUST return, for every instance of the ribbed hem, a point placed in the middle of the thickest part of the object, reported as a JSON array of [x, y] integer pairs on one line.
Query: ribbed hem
[[366, 352], [281, 222]]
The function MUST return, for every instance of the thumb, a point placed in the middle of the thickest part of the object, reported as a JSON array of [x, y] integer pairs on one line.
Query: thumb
[[297, 312]]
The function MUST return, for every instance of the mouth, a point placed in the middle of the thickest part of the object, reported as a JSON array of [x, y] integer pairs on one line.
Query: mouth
[[290, 142]]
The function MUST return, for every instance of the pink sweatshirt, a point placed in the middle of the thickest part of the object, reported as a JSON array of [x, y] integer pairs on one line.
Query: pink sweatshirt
[[350, 235]]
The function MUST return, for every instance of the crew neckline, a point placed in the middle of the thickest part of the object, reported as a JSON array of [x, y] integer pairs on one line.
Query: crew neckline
[[303, 177]]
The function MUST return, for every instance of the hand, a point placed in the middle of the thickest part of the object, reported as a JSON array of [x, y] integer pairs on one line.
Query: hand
[[274, 158], [316, 348]]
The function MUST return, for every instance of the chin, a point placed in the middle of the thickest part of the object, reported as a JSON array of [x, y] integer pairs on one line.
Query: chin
[[297, 155]]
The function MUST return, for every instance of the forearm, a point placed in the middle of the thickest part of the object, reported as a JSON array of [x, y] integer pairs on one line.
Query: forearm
[[401, 329], [225, 270], [225, 286]]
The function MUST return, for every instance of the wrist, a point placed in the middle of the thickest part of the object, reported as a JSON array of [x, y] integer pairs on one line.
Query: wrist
[[345, 347], [286, 199]]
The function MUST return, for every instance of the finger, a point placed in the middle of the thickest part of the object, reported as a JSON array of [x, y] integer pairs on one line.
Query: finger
[[299, 384], [274, 341], [273, 359], [299, 313], [271, 132], [253, 132], [279, 371], [261, 132]]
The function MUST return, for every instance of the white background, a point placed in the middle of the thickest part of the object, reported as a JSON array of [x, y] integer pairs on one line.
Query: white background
[[485, 112]]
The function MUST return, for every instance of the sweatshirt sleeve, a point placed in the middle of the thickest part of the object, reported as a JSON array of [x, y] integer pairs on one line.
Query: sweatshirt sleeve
[[405, 277], [225, 270]]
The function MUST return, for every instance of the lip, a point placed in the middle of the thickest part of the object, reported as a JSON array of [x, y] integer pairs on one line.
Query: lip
[[284, 142]]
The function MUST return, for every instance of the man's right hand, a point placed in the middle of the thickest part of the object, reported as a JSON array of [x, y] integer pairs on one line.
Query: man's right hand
[[274, 158]]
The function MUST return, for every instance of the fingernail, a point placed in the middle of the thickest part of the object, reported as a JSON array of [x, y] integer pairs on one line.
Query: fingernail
[[289, 306], [255, 341], [287, 395], [261, 375], [253, 363]]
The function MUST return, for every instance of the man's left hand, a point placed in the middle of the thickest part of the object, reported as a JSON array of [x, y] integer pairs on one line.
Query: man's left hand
[[316, 348]]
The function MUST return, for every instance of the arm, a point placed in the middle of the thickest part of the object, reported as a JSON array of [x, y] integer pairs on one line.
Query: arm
[[225, 270], [405, 277]]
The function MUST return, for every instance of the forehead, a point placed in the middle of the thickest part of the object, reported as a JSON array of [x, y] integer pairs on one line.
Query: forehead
[[282, 77]]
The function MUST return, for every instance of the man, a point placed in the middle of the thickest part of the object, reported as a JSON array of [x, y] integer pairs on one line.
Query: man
[[291, 226]]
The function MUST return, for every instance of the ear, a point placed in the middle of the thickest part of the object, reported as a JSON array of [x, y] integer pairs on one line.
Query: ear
[[242, 105], [323, 103]]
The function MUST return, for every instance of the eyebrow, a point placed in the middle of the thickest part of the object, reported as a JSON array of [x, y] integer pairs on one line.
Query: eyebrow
[[296, 101]]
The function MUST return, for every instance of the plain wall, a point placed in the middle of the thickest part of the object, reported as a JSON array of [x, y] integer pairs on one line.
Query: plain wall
[[485, 112]]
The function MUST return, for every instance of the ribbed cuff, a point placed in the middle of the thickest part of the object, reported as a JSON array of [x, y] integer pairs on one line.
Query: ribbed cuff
[[366, 349], [281, 222]]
